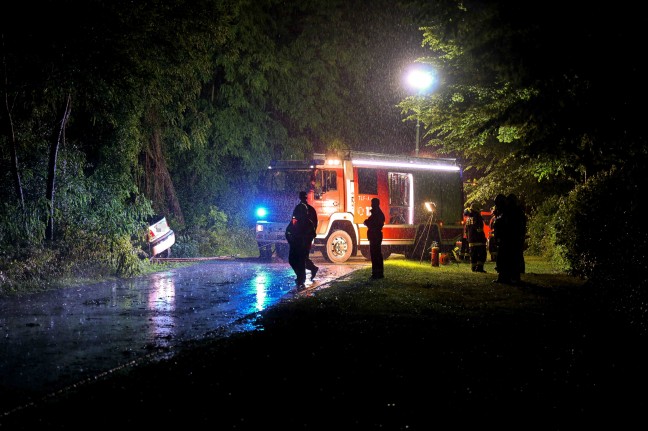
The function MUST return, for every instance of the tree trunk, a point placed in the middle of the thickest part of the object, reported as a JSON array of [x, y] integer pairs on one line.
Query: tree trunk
[[15, 170], [157, 183], [51, 171]]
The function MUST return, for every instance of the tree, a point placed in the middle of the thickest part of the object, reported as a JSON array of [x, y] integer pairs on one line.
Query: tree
[[52, 168], [528, 104], [11, 138], [524, 100]]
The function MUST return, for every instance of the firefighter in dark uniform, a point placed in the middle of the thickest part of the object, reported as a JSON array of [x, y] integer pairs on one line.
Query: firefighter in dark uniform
[[375, 224], [476, 237], [299, 234], [492, 241], [312, 216]]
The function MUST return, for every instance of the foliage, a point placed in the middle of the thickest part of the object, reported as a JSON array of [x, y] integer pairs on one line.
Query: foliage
[[199, 242], [601, 228], [521, 101], [541, 231], [22, 227], [27, 269]]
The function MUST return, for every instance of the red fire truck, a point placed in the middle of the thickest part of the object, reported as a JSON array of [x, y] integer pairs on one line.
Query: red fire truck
[[422, 199]]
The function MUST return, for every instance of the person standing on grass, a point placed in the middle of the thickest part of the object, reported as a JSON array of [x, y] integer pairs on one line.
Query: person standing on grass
[[375, 224], [492, 241], [299, 234], [476, 237], [312, 216]]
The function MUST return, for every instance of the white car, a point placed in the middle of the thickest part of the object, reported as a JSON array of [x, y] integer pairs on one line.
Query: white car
[[160, 237]]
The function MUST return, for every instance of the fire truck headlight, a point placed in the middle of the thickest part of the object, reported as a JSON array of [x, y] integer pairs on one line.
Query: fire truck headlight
[[261, 212], [430, 206]]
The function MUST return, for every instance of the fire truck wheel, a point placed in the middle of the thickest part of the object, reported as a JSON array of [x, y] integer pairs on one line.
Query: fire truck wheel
[[339, 247], [386, 251], [364, 250]]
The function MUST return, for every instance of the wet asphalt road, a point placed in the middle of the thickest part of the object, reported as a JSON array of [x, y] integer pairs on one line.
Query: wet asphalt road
[[56, 339]]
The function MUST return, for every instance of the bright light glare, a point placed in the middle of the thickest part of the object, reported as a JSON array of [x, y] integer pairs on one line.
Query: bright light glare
[[431, 167], [410, 218], [261, 212], [260, 282], [420, 79]]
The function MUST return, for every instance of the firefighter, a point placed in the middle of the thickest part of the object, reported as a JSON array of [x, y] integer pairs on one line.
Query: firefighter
[[492, 241], [465, 250], [312, 216], [476, 237], [375, 224], [299, 234]]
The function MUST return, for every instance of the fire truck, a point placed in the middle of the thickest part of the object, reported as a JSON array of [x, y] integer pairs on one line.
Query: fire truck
[[422, 199]]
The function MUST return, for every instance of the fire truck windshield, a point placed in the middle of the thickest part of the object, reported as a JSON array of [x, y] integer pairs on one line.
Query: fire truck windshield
[[277, 180]]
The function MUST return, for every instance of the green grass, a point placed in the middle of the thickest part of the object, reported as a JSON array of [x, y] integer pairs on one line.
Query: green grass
[[417, 287]]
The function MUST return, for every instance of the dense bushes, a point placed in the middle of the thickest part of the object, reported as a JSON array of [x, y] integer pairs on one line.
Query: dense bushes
[[603, 228], [215, 235], [541, 233]]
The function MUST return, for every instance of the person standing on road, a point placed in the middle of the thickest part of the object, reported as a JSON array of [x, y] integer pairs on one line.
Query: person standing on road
[[476, 237], [312, 216], [299, 234], [375, 224]]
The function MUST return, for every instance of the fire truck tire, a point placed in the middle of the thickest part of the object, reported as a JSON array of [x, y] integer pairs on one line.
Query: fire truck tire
[[339, 247], [364, 250], [386, 251]]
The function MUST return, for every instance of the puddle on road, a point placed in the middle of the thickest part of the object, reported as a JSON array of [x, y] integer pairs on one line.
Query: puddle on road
[[55, 339]]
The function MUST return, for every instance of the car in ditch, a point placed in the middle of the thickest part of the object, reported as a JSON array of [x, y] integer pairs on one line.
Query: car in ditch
[[160, 237]]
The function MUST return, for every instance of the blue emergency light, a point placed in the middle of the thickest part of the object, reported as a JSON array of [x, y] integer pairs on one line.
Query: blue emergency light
[[261, 212]]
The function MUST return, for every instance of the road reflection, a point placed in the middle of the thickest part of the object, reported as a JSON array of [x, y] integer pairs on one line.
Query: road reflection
[[259, 284], [58, 338], [161, 300]]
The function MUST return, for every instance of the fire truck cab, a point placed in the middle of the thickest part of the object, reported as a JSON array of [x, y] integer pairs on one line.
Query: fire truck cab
[[340, 187]]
